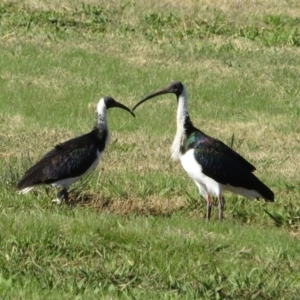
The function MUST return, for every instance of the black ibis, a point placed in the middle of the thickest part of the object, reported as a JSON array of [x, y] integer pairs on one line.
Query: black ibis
[[212, 165], [70, 160]]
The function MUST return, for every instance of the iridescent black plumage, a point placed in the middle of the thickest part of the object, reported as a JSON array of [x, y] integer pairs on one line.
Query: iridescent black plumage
[[70, 160], [209, 162], [223, 164]]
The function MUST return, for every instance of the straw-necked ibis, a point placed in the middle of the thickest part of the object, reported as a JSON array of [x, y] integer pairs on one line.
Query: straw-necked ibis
[[71, 160], [212, 165]]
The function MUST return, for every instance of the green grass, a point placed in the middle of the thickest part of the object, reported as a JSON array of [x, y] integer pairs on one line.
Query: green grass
[[111, 256], [135, 227]]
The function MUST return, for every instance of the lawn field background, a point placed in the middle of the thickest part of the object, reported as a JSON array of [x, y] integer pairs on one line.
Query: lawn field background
[[136, 228]]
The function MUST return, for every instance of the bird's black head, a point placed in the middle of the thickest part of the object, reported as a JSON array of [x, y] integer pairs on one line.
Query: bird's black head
[[175, 87], [111, 102]]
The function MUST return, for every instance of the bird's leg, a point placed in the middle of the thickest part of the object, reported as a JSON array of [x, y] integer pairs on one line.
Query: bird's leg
[[61, 196], [208, 207], [221, 207]]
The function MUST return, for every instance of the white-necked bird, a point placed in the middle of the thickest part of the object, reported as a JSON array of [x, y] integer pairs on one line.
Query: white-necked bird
[[71, 160], [212, 165]]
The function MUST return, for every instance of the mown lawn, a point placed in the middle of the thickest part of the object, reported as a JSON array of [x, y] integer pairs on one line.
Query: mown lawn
[[136, 225]]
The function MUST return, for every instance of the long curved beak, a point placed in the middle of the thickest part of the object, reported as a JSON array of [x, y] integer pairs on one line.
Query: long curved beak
[[120, 105], [157, 93]]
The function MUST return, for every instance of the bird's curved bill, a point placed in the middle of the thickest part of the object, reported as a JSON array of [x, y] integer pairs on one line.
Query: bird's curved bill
[[152, 95], [120, 105]]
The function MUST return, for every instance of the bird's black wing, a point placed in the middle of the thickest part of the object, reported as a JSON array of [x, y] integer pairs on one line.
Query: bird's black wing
[[70, 163], [224, 165], [69, 159], [218, 161]]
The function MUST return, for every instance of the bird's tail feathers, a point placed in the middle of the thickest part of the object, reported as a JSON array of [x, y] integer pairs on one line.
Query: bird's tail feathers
[[263, 190], [25, 190]]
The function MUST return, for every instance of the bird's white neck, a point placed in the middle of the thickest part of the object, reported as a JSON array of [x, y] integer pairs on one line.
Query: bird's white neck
[[101, 122], [182, 114]]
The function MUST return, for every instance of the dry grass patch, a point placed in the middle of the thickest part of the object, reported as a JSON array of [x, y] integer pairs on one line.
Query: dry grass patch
[[51, 82], [17, 142], [235, 8], [243, 10], [154, 205], [56, 5]]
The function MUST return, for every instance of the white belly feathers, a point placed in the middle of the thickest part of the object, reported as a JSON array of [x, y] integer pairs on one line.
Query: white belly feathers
[[205, 184]]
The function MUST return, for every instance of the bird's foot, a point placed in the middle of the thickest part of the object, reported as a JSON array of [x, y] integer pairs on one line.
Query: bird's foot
[[208, 213], [208, 208], [221, 207]]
